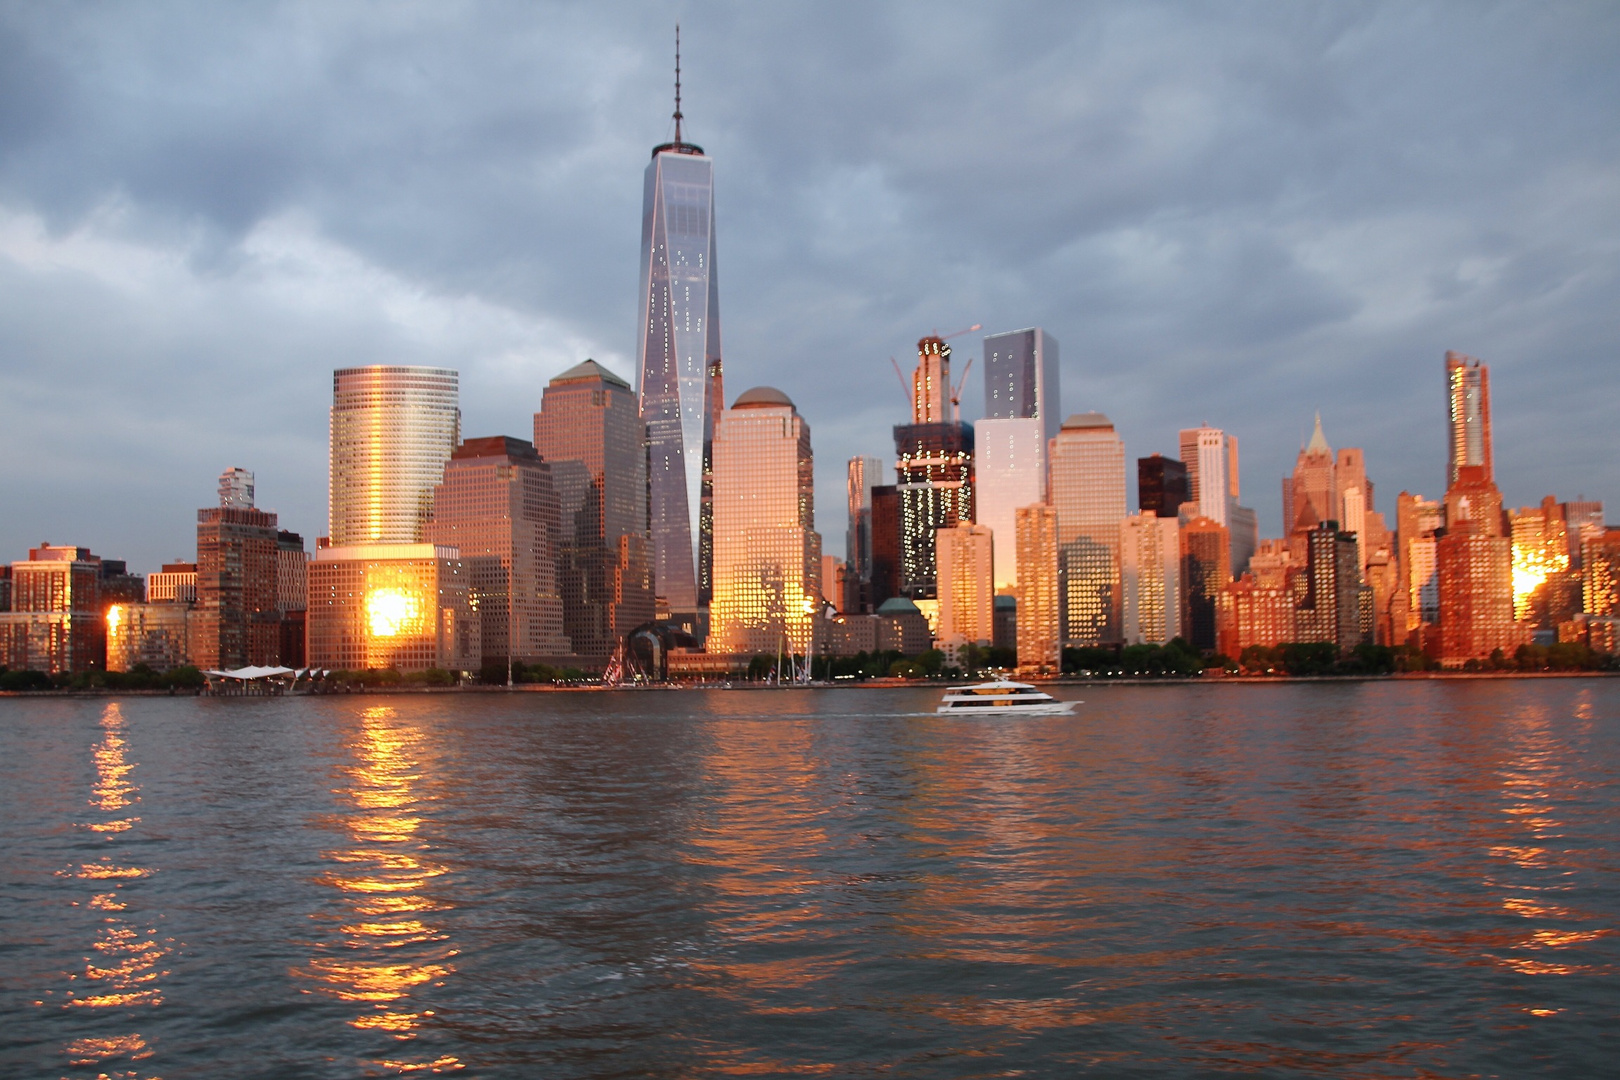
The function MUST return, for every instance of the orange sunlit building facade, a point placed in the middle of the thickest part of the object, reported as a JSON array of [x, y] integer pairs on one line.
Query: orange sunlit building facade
[[401, 606]]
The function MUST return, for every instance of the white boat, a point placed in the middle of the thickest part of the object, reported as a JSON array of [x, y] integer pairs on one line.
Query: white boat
[[1002, 698]]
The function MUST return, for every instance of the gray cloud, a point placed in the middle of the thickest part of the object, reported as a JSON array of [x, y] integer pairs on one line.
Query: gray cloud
[[1236, 214]]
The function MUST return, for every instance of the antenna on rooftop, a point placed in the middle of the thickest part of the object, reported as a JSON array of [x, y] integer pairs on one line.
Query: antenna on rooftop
[[677, 83]]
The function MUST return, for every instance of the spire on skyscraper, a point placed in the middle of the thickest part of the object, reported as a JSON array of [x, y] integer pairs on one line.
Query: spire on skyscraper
[[1318, 443], [677, 82]]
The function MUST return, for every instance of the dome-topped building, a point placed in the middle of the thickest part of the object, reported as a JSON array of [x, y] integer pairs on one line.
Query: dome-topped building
[[761, 397]]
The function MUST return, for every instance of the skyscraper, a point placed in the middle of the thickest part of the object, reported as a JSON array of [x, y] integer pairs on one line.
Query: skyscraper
[[1206, 567], [678, 360], [1022, 411], [589, 431], [965, 558], [1468, 402], [1161, 485], [1474, 561], [934, 471], [238, 616], [1214, 483], [1040, 599], [767, 556], [1311, 485], [865, 473], [498, 507], [1088, 491], [1150, 578], [393, 428]]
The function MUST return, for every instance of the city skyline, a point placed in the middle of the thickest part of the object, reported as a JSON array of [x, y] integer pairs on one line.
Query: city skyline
[[203, 304]]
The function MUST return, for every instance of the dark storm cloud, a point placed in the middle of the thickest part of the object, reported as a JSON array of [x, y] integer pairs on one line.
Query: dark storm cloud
[[1233, 214]]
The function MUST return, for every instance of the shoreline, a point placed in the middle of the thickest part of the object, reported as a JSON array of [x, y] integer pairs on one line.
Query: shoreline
[[866, 684]]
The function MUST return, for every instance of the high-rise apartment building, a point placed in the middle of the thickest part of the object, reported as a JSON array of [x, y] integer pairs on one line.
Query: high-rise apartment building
[[176, 583], [1545, 588], [1088, 491], [1022, 413], [292, 595], [1161, 485], [392, 430], [1040, 597], [1252, 611], [865, 473], [966, 562], [1417, 521], [1600, 571], [767, 556], [1474, 563], [590, 432], [55, 623], [1150, 578], [1468, 400], [678, 361], [497, 507], [238, 616], [934, 471], [832, 581]]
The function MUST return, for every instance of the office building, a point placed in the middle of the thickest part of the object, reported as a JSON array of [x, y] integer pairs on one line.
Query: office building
[[156, 635], [1417, 521], [56, 623], [1022, 413], [1214, 484], [238, 614], [1546, 589], [966, 561], [1161, 485], [1206, 568], [886, 555], [1331, 603], [1150, 579], [1468, 399], [903, 628], [1004, 618], [767, 556], [678, 361], [589, 431], [1088, 492], [399, 606], [934, 471], [1040, 595], [392, 430], [1311, 486], [497, 507], [865, 473]]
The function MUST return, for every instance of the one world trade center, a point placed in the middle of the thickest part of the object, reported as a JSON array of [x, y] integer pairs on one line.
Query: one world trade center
[[679, 365]]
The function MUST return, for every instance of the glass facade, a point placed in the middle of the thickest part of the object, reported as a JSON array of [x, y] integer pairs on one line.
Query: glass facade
[[1150, 579], [1468, 400], [1088, 491], [1040, 605], [678, 356], [589, 430], [865, 473], [966, 598], [401, 606], [935, 489], [1021, 378], [767, 556], [497, 507], [393, 428]]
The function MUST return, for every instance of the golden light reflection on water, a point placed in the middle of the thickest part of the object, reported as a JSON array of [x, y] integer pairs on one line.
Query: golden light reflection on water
[[123, 969], [1534, 784], [386, 945]]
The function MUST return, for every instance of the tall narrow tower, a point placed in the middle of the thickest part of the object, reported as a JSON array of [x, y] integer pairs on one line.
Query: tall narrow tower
[[1468, 393], [679, 361]]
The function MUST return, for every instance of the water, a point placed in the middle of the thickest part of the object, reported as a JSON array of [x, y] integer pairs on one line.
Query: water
[[1371, 880]]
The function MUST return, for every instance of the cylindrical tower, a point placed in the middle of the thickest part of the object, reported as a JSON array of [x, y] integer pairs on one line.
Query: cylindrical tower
[[393, 428]]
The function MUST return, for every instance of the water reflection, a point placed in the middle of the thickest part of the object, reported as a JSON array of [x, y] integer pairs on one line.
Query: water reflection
[[387, 947], [1540, 870], [124, 969]]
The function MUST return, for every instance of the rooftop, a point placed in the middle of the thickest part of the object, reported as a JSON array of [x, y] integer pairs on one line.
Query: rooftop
[[762, 397]]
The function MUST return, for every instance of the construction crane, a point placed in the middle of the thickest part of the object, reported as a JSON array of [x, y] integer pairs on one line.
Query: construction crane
[[956, 393]]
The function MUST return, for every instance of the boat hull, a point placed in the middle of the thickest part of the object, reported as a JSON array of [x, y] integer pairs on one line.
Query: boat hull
[[1042, 708]]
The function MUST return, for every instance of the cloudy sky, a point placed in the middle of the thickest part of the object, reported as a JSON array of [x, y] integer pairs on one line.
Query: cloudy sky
[[1226, 213]]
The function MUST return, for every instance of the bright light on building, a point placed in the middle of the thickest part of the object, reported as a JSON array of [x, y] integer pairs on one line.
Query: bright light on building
[[391, 612]]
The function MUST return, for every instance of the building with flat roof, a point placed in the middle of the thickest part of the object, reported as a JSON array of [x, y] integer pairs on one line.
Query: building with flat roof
[[56, 623], [400, 606], [392, 430]]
